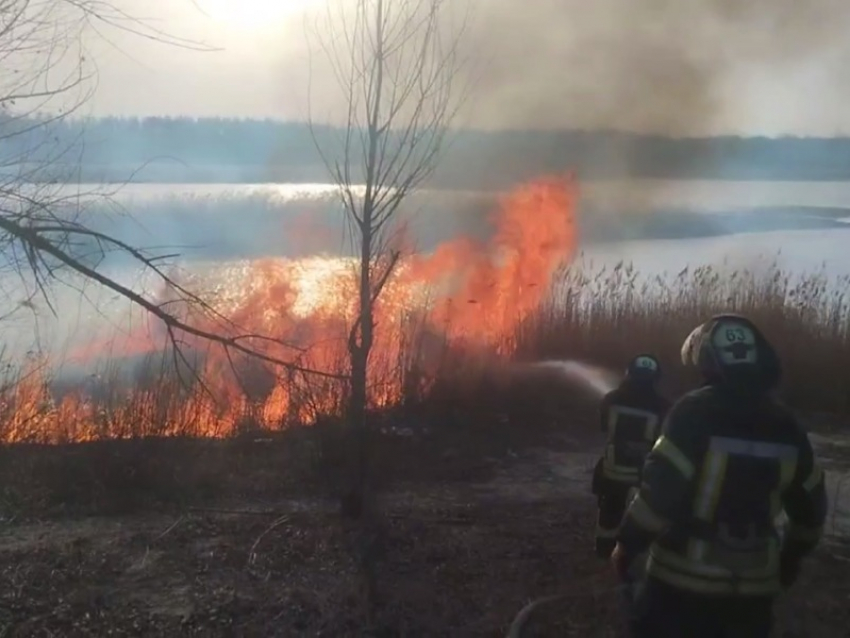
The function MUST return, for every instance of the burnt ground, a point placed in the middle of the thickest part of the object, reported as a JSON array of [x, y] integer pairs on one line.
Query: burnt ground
[[466, 546]]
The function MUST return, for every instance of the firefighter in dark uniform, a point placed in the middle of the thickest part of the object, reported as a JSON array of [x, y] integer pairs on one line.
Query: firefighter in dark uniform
[[729, 460], [631, 417]]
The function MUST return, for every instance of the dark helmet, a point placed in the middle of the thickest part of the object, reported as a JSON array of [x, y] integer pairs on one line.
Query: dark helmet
[[644, 368], [730, 349]]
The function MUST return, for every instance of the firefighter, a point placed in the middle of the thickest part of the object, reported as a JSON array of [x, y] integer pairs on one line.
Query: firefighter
[[730, 458], [631, 417]]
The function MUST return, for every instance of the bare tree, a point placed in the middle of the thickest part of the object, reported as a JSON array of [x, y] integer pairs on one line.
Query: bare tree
[[45, 77], [397, 65]]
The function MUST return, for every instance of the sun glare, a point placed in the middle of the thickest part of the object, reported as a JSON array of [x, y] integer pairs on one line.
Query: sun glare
[[253, 14]]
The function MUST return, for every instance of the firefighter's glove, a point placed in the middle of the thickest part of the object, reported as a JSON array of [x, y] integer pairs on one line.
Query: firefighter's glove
[[621, 561], [789, 568]]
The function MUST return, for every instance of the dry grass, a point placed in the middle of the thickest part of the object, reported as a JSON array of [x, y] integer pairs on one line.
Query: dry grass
[[608, 318], [454, 563]]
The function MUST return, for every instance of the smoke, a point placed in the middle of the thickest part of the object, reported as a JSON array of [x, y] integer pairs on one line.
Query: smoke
[[659, 65], [662, 66]]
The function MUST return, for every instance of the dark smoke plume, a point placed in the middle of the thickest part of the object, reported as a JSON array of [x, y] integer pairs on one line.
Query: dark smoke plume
[[655, 66]]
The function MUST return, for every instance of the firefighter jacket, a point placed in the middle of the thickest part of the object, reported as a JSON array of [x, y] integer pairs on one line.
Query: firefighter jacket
[[631, 417], [713, 488]]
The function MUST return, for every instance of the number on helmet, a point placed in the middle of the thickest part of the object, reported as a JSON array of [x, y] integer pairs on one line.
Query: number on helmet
[[646, 363], [734, 343]]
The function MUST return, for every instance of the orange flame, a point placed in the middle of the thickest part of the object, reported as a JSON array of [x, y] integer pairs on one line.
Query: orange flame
[[465, 294]]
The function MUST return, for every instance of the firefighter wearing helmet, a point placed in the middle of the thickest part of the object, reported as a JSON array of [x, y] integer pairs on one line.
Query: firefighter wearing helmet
[[631, 417], [729, 460]]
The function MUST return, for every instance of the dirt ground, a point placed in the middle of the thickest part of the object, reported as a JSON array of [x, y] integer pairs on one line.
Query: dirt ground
[[460, 558]]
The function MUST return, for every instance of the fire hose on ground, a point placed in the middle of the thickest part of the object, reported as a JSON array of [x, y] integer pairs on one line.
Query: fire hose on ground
[[625, 592], [521, 620]]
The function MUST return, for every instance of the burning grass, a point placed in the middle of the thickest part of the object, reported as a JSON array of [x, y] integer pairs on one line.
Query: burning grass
[[602, 319]]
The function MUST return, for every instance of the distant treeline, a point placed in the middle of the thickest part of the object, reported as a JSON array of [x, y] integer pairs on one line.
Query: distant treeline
[[222, 149]]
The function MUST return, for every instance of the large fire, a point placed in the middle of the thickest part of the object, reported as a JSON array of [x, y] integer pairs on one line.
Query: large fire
[[465, 294]]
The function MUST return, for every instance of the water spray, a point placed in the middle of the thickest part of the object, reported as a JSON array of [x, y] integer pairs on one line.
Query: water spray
[[595, 378]]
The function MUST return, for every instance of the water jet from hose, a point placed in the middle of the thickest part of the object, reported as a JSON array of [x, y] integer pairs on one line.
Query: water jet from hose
[[595, 378]]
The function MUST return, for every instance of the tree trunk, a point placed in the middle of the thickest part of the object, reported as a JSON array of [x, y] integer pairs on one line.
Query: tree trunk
[[358, 425], [358, 499], [360, 346]]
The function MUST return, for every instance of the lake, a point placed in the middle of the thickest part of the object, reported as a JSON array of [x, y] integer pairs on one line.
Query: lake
[[220, 223], [637, 194]]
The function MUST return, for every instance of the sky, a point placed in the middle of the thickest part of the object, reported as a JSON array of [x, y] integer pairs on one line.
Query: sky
[[762, 67]]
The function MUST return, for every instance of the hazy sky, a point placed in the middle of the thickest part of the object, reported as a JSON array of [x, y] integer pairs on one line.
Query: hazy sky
[[683, 66]]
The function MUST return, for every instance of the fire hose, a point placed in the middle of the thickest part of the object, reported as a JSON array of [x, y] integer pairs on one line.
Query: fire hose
[[624, 590]]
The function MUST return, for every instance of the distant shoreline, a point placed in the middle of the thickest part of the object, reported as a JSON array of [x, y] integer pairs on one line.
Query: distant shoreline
[[226, 150], [171, 173]]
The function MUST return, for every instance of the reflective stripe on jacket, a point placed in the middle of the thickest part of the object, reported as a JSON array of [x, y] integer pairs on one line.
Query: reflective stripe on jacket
[[630, 417]]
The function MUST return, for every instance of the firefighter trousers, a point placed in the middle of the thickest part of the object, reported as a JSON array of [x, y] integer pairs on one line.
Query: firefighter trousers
[[662, 611], [612, 499]]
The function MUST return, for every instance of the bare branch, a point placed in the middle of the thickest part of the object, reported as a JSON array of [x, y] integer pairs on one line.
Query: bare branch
[[37, 244], [44, 78], [398, 74]]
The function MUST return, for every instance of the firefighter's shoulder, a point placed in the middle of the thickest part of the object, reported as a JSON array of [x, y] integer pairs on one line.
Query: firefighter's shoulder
[[692, 404], [681, 443], [613, 396], [785, 423], [689, 420]]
